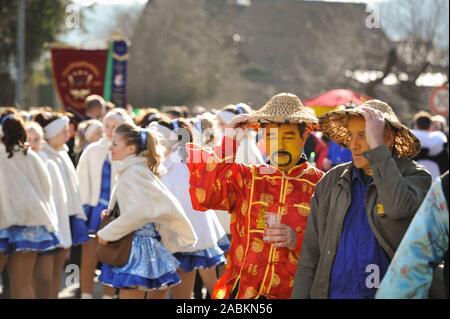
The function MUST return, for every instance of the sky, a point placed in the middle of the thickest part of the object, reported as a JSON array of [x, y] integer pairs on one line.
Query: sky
[[101, 17], [92, 40], [90, 2]]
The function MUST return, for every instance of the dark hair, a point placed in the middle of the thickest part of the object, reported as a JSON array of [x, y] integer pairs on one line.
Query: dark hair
[[150, 115], [175, 126], [184, 111], [174, 111], [423, 120], [301, 127], [147, 147], [45, 118], [14, 134], [94, 101], [230, 108], [74, 119], [240, 108]]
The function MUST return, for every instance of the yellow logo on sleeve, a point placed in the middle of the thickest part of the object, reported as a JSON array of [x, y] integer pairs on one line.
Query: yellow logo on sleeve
[[380, 210]]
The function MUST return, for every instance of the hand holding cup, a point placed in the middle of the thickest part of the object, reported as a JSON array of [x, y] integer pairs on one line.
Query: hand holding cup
[[278, 234]]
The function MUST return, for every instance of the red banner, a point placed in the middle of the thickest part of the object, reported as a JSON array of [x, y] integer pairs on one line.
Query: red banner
[[78, 74]]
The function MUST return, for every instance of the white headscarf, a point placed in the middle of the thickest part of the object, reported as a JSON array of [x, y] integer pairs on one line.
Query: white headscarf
[[55, 127], [93, 126]]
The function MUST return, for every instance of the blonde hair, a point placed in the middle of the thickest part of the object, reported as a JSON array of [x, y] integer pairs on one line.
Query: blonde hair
[[34, 126], [150, 150], [118, 114], [81, 140]]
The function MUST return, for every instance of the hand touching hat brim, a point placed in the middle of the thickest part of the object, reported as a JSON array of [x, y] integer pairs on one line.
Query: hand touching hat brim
[[238, 120]]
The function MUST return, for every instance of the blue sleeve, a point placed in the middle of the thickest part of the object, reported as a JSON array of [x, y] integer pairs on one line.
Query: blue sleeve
[[423, 247]]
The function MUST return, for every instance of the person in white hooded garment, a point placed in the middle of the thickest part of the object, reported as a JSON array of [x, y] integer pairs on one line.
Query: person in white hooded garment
[[206, 254], [148, 211], [44, 276], [55, 126]]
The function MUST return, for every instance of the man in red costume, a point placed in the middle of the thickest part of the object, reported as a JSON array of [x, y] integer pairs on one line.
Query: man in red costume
[[269, 204]]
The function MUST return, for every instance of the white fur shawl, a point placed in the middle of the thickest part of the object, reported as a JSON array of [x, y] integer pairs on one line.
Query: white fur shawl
[[65, 165], [89, 171], [143, 199], [25, 191], [59, 202]]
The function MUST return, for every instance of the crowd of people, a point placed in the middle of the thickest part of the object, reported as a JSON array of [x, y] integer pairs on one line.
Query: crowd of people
[[267, 203]]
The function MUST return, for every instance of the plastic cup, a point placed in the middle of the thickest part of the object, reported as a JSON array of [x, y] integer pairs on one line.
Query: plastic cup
[[272, 219]]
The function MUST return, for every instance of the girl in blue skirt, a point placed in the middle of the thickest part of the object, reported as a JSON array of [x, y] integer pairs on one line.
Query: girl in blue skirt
[[56, 134], [206, 254], [96, 174], [27, 219], [149, 211]]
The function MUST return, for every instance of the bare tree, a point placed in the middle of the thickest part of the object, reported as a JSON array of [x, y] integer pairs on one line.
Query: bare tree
[[123, 21], [178, 55], [422, 28], [419, 29]]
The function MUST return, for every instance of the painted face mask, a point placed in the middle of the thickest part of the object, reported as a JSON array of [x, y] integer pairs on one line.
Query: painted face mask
[[284, 145]]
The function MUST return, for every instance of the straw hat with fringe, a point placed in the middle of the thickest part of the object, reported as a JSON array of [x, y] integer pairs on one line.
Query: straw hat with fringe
[[285, 108], [334, 125]]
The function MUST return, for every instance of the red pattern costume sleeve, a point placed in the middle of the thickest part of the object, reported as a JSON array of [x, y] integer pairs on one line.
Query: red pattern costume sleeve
[[254, 268]]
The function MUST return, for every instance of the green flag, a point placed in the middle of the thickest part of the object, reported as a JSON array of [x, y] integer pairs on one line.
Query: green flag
[[108, 77]]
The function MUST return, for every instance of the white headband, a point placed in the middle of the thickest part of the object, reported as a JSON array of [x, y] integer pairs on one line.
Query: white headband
[[92, 128], [55, 127]]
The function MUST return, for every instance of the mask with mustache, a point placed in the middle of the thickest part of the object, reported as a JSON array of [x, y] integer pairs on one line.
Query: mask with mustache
[[274, 158], [283, 144]]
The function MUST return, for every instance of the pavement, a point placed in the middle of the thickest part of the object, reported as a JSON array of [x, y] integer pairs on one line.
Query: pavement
[[72, 291]]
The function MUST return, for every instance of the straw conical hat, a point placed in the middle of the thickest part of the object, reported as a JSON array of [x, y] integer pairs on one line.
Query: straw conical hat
[[284, 108], [334, 125]]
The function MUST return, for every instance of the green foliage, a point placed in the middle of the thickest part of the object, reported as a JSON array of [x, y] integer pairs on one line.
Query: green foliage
[[44, 20]]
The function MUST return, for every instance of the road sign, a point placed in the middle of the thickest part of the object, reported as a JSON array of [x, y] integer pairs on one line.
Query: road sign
[[439, 100]]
